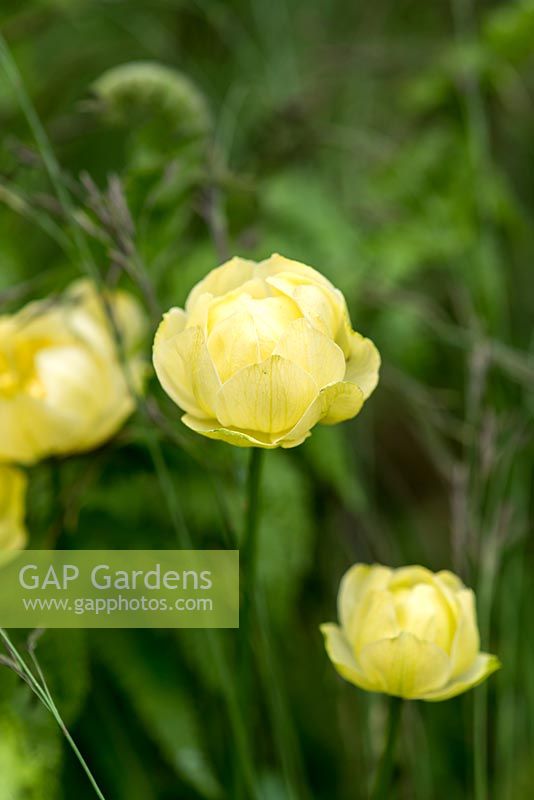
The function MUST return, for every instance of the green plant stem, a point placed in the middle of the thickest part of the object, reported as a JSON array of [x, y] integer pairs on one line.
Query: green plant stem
[[249, 549], [43, 693], [248, 558], [382, 782], [480, 749]]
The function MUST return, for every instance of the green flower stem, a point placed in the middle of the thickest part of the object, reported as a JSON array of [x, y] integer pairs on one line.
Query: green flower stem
[[249, 558], [249, 550], [43, 693], [382, 783]]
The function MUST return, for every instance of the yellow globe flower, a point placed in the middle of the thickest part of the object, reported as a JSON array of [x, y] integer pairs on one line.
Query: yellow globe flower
[[262, 353], [13, 535], [407, 632], [62, 387]]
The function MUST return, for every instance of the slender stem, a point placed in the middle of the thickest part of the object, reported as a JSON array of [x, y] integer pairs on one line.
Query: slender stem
[[248, 554], [480, 754], [384, 771], [43, 693], [249, 550]]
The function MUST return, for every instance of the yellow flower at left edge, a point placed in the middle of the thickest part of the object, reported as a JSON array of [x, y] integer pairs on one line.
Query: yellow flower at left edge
[[13, 535], [63, 389]]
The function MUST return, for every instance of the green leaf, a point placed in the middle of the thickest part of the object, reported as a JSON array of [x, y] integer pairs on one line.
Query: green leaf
[[151, 682]]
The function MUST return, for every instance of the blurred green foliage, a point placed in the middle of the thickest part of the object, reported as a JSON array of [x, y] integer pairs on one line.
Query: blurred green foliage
[[390, 145]]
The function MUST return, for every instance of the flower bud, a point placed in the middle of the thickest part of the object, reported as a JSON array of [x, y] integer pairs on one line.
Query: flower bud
[[407, 632], [141, 91]]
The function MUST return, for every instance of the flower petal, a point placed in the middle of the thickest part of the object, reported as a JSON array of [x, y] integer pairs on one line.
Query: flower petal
[[173, 323], [405, 666], [318, 304], [374, 620], [466, 642], [355, 584], [249, 334], [485, 664], [340, 654], [269, 397], [213, 430], [186, 372], [344, 400], [423, 611], [31, 430], [234, 344], [363, 364], [222, 279], [316, 353], [315, 412]]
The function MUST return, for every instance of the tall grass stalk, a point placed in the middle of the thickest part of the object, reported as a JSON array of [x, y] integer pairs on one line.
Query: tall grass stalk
[[40, 688]]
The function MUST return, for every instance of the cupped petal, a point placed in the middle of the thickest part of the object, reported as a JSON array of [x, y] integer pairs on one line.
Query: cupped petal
[[223, 279], [94, 316], [31, 430], [484, 665], [269, 397], [111, 413], [313, 351], [276, 264], [319, 304], [68, 377], [87, 417], [255, 297], [248, 335], [213, 430], [197, 316], [341, 656], [327, 399], [410, 576], [422, 610], [173, 323], [450, 580], [344, 401], [356, 583], [234, 344], [466, 643], [186, 372], [405, 666], [363, 364], [374, 621]]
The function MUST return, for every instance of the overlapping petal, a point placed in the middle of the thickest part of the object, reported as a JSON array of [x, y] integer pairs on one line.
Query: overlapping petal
[[405, 666]]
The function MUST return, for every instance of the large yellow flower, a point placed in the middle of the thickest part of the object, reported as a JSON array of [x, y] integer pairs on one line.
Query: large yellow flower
[[13, 535], [407, 632], [263, 352], [62, 387]]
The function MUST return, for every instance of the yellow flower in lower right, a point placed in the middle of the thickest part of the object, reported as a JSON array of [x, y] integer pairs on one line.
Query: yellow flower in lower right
[[407, 632]]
